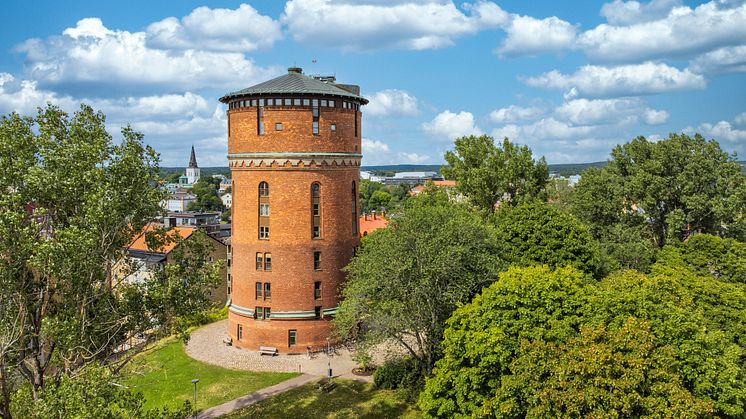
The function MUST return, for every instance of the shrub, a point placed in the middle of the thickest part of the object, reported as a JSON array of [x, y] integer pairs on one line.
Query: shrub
[[399, 373]]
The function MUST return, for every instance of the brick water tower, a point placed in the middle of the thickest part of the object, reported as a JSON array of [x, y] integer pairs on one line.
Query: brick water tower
[[294, 154]]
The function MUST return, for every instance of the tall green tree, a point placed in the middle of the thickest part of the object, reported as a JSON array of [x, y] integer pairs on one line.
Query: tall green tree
[[489, 174], [408, 278], [539, 233], [206, 190], [675, 187], [72, 200]]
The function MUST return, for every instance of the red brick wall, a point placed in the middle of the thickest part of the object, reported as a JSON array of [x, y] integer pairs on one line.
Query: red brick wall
[[291, 244]]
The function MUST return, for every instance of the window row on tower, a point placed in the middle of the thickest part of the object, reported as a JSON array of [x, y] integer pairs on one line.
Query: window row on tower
[[316, 225], [308, 102]]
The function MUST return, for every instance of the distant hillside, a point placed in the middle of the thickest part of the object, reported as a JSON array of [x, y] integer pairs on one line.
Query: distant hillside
[[562, 169]]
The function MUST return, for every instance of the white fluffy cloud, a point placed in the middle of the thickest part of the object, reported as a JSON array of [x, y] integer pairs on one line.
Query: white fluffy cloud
[[448, 125], [93, 58], [374, 25], [722, 60], [528, 36], [239, 30], [412, 158], [391, 102], [625, 80], [740, 119], [722, 130], [621, 12], [609, 111], [515, 113], [374, 146], [682, 32]]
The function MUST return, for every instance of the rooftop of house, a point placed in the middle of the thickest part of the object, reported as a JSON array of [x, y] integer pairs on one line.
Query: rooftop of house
[[295, 82], [140, 244], [370, 223]]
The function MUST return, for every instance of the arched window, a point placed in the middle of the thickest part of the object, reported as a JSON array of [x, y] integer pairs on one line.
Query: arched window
[[264, 211], [354, 209], [315, 210]]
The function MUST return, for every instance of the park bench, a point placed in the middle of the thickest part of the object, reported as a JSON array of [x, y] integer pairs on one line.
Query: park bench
[[267, 350], [227, 341]]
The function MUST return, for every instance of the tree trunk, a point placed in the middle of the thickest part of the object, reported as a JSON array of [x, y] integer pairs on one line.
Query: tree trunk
[[4, 391]]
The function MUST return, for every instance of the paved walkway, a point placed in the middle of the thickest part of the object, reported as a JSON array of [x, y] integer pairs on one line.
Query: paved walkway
[[249, 399], [206, 345]]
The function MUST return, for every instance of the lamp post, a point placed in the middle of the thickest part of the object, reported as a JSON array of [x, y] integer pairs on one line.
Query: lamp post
[[329, 358], [195, 381]]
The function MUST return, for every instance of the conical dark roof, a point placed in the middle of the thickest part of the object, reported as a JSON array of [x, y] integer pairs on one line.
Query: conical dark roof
[[193, 159], [295, 82]]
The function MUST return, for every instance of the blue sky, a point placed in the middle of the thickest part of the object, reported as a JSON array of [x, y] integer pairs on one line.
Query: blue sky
[[569, 80]]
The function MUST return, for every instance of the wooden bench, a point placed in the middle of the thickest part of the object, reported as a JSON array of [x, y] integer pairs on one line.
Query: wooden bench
[[267, 350], [227, 341]]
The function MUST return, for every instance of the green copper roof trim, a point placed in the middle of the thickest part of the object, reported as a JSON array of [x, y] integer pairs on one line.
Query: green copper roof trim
[[291, 155], [241, 310]]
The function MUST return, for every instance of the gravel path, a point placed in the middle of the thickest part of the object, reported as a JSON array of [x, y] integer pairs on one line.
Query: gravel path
[[206, 345]]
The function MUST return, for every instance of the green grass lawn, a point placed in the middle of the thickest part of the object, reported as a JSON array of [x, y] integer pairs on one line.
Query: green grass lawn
[[164, 376], [349, 399]]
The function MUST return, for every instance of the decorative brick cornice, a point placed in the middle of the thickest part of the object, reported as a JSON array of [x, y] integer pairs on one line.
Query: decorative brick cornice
[[259, 161]]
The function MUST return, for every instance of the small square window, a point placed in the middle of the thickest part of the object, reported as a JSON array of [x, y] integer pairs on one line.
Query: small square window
[[306, 102], [316, 210], [270, 102], [288, 102], [315, 102], [296, 102], [278, 126], [333, 127], [261, 102], [253, 102], [323, 102], [331, 103], [264, 232]]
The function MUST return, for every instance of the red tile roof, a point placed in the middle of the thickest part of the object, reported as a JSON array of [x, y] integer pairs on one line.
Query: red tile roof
[[139, 242], [368, 224]]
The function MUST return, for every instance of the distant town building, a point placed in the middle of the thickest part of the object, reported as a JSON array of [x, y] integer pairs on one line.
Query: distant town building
[[178, 201], [412, 178], [192, 170], [227, 200], [439, 183], [372, 177], [142, 260], [209, 222]]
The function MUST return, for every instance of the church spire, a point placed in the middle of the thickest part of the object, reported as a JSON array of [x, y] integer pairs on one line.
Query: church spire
[[193, 159]]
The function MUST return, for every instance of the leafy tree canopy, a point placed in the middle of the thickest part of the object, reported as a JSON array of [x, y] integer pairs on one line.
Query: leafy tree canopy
[[407, 279], [206, 190], [489, 174], [675, 187], [539, 343], [539, 233]]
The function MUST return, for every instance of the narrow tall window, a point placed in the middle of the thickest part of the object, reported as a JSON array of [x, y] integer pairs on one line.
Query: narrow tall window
[[317, 290], [268, 261], [292, 334], [260, 120], [315, 210], [263, 211], [315, 112], [267, 313], [317, 312], [356, 127], [354, 209], [239, 332], [267, 291], [258, 291], [316, 261], [259, 262], [259, 313]]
